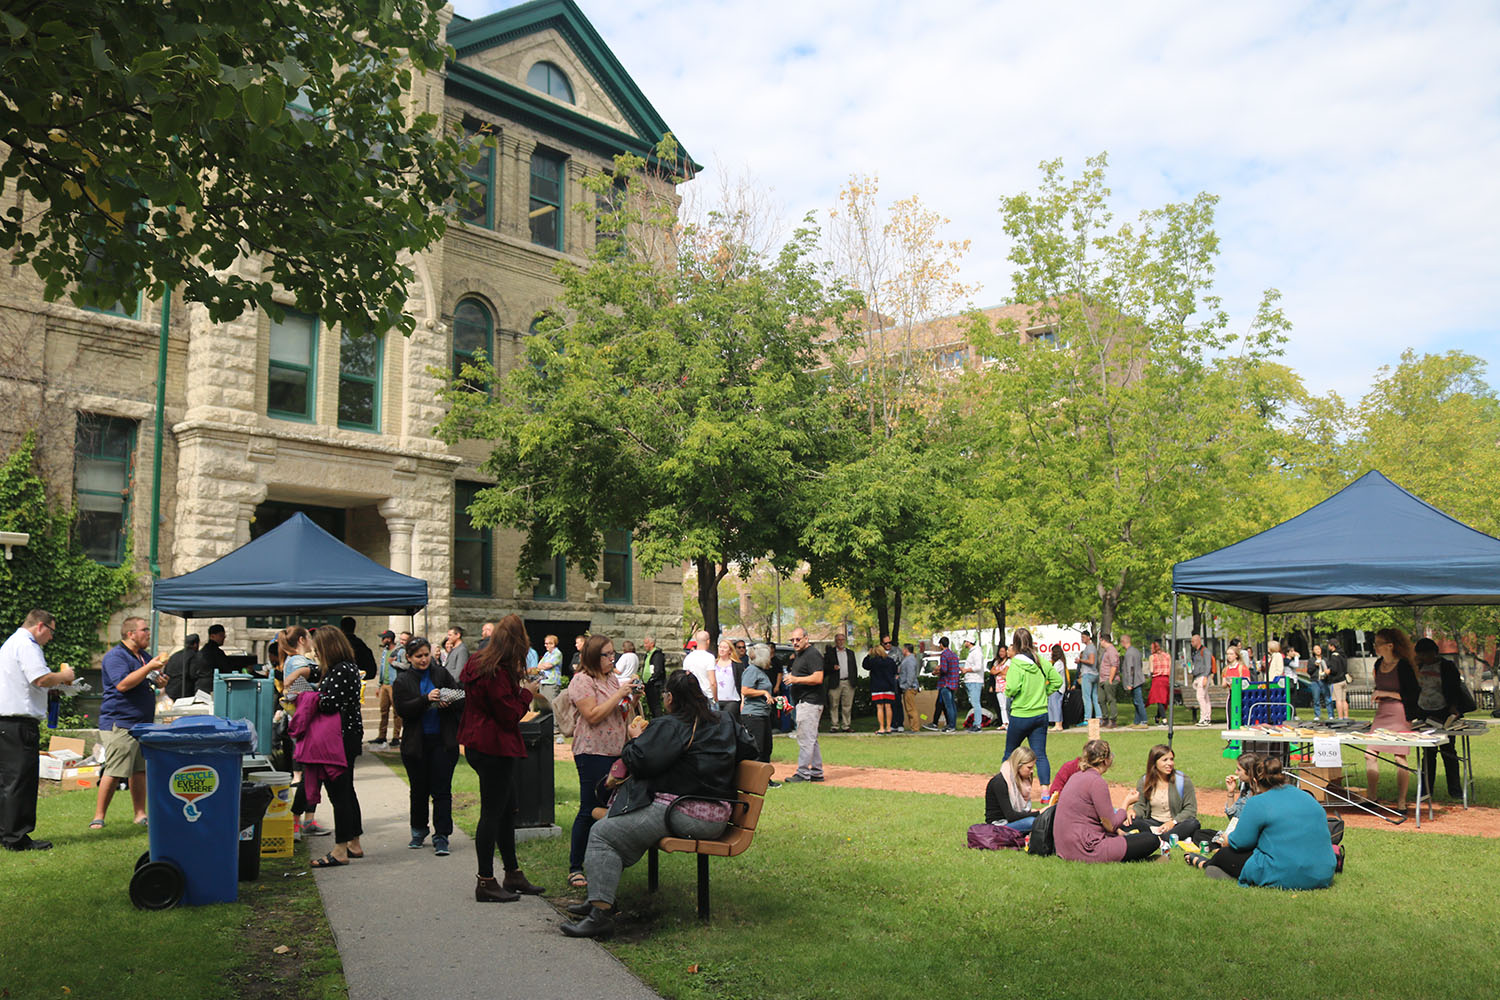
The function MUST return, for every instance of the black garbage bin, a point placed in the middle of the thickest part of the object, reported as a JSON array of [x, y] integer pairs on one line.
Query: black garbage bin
[[255, 798], [535, 805]]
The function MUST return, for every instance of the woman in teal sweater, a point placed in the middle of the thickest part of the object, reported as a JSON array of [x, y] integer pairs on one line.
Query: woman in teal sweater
[[1028, 684], [1281, 838]]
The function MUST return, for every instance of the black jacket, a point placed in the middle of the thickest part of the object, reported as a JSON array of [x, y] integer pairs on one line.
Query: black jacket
[[676, 757], [364, 658], [997, 804], [179, 673], [406, 692], [658, 661], [205, 663], [831, 667], [1457, 702]]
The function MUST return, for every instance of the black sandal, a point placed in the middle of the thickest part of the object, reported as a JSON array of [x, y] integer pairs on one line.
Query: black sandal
[[329, 861]]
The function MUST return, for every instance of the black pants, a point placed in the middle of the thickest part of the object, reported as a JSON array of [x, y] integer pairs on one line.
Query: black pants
[[347, 820], [731, 709], [1451, 766], [431, 777], [653, 697], [1186, 830], [1231, 860], [1140, 846], [19, 742], [497, 810], [759, 727], [592, 769]]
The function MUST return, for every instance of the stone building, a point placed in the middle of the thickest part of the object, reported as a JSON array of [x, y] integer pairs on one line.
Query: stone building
[[265, 417]]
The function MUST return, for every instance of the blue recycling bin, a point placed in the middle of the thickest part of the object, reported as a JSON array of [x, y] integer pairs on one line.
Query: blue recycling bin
[[253, 699], [193, 800]]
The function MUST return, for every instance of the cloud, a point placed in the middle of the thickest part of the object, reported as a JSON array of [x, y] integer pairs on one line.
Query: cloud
[[1353, 146]]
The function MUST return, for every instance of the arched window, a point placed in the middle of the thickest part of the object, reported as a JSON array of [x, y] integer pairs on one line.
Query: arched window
[[550, 80], [473, 332]]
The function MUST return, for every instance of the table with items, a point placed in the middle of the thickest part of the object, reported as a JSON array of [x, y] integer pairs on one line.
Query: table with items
[[1305, 747]]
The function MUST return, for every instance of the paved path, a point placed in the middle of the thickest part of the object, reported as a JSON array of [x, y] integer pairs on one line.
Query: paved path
[[407, 925]]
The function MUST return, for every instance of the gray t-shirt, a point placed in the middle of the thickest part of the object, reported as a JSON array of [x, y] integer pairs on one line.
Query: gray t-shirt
[[1132, 673], [1088, 661], [1200, 662], [754, 677]]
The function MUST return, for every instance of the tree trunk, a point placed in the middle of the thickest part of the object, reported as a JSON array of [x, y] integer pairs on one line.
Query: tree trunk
[[895, 618], [709, 575], [882, 612], [1197, 617], [1107, 615], [998, 610]]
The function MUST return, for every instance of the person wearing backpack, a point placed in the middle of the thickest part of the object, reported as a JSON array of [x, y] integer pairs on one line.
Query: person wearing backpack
[[1168, 803]]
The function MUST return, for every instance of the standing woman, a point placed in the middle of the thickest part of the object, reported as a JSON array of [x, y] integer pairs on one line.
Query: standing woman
[[429, 702], [1029, 684], [549, 670], [1055, 699], [999, 667], [598, 737], [1161, 682], [339, 691], [490, 731], [1396, 687], [727, 681], [882, 671], [758, 707]]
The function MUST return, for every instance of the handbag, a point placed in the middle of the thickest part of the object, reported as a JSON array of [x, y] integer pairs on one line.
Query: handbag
[[990, 837], [1041, 842]]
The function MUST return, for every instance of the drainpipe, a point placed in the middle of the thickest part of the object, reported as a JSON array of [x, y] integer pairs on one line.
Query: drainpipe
[[161, 408]]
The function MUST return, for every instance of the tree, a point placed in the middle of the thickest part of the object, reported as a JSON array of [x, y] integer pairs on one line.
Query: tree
[[171, 142], [1113, 431], [672, 394], [50, 571]]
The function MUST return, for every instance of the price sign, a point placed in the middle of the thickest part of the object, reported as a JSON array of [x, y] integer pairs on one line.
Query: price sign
[[1326, 753]]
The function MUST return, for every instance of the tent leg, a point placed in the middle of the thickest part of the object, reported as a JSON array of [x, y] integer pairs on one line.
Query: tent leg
[[1265, 645], [1172, 684]]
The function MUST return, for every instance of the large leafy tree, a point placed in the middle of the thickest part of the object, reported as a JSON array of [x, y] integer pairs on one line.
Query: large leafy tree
[[151, 142], [673, 394], [1111, 441]]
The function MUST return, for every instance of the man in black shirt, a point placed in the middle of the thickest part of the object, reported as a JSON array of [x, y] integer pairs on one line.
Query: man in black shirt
[[364, 657], [804, 681], [179, 666], [210, 660]]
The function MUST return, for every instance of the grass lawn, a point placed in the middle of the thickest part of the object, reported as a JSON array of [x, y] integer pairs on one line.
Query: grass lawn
[[855, 893], [70, 930]]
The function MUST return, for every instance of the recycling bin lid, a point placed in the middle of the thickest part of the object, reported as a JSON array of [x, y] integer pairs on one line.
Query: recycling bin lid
[[197, 732]]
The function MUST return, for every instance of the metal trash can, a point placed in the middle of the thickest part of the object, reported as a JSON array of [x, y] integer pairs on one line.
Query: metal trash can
[[535, 803], [193, 799]]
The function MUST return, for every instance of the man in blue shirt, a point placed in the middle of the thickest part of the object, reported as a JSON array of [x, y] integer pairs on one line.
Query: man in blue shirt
[[128, 701]]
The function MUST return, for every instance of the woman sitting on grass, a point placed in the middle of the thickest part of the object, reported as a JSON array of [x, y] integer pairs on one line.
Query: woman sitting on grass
[[1007, 798], [1087, 826], [1281, 838], [1168, 803]]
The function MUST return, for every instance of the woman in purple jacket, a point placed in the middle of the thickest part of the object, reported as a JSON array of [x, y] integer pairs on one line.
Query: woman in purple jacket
[[1086, 826]]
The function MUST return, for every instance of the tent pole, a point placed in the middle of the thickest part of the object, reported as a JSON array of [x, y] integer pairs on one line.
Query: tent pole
[[1172, 683], [1265, 645]]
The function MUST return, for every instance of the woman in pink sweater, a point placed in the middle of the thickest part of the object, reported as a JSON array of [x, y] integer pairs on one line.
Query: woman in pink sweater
[[1087, 825]]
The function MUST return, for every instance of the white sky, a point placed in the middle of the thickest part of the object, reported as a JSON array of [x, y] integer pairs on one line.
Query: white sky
[[1355, 147]]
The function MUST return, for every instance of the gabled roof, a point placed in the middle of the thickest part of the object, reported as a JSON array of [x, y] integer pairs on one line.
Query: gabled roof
[[295, 567], [564, 17], [1370, 545]]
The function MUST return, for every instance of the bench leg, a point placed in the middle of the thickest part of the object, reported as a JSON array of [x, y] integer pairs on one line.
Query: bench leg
[[651, 871], [703, 887]]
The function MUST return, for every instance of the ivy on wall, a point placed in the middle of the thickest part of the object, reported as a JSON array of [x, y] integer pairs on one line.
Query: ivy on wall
[[51, 571]]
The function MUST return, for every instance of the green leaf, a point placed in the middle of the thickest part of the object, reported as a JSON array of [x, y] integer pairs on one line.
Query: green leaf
[[13, 25], [102, 61], [265, 101]]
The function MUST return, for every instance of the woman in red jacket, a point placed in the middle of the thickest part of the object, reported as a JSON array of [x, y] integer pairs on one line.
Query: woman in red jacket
[[491, 735]]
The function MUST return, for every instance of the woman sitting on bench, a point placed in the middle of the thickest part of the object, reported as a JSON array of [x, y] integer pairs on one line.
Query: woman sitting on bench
[[1168, 803], [690, 750]]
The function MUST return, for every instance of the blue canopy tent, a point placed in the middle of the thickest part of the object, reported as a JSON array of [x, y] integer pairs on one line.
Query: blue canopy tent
[[295, 568], [1370, 545]]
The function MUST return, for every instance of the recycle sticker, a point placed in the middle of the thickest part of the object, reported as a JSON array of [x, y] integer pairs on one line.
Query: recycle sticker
[[191, 783]]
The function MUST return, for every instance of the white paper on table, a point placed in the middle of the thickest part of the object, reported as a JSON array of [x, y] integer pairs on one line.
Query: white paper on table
[[1326, 752]]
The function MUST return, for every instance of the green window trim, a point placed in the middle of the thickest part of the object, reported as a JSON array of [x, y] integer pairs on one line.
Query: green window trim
[[473, 332], [558, 591], [617, 567], [94, 462], [289, 371], [471, 545], [353, 384], [134, 312], [550, 80], [483, 172], [545, 215]]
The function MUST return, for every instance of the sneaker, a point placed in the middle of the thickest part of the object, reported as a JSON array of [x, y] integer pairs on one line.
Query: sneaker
[[816, 777], [950, 729], [773, 784], [377, 742], [899, 729], [296, 832], [312, 829], [417, 839], [930, 728], [796, 778], [440, 847]]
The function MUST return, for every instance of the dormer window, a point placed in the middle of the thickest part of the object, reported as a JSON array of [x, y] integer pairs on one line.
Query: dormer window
[[550, 80]]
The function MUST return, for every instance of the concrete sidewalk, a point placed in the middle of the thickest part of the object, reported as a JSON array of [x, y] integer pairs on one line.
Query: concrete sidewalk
[[407, 925]]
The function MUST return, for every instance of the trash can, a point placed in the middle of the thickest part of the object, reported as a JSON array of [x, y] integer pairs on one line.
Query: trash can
[[193, 799], [535, 805], [253, 699], [254, 797]]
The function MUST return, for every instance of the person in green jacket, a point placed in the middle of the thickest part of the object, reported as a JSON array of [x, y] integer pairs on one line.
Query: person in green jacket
[[1028, 684]]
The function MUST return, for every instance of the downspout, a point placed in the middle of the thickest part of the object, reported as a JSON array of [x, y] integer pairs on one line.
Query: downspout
[[161, 407]]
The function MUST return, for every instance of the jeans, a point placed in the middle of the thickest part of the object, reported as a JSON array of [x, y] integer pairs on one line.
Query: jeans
[[431, 777], [1054, 708], [946, 702], [975, 689], [1322, 698], [1090, 684], [809, 754], [591, 767], [1138, 696], [497, 810], [1030, 729], [617, 842], [1023, 824]]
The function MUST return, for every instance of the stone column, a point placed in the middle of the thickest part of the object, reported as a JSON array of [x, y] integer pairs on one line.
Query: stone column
[[578, 236], [401, 525], [514, 186]]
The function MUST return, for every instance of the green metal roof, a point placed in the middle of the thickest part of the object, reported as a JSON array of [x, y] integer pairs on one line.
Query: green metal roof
[[563, 16]]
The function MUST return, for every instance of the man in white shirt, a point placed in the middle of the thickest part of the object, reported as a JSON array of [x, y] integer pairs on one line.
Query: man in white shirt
[[628, 664], [24, 678], [839, 674], [974, 681], [700, 663]]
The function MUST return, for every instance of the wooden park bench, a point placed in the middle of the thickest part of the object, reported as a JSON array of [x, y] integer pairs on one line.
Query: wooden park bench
[[1218, 700], [751, 780]]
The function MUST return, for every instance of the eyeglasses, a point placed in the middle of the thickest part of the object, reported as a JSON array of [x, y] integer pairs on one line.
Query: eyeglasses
[[607, 652]]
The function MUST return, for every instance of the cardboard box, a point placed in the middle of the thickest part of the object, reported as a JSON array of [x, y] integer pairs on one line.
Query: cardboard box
[[82, 777], [1319, 779], [62, 754]]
